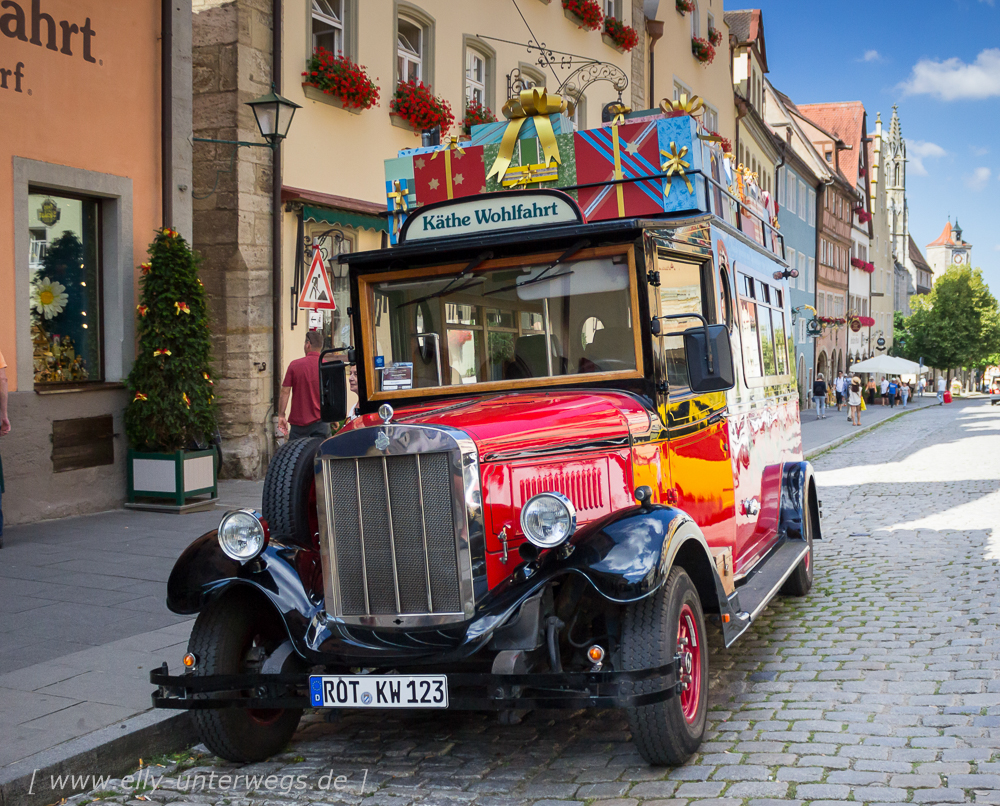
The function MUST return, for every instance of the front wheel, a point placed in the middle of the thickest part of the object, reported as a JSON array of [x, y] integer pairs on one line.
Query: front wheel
[[670, 623], [234, 635]]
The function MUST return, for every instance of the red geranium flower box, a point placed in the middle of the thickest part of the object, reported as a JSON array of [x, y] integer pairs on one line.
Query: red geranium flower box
[[588, 11], [420, 108], [624, 36], [702, 50], [340, 77], [476, 113]]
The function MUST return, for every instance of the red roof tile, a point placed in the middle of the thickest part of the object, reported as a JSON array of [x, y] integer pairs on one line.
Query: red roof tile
[[945, 238], [846, 121]]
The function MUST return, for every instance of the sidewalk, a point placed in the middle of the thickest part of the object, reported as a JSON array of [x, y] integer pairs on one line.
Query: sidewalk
[[83, 620], [817, 434]]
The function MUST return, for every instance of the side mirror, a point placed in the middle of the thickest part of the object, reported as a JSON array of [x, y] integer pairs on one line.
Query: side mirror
[[709, 372], [332, 389]]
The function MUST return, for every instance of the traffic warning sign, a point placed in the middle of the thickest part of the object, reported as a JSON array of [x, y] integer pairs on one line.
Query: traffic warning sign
[[317, 293]]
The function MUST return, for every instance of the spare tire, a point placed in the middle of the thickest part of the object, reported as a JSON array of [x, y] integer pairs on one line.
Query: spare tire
[[289, 501]]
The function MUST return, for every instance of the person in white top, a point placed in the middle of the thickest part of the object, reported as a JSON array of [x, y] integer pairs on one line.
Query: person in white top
[[854, 400], [885, 391], [840, 386], [942, 385]]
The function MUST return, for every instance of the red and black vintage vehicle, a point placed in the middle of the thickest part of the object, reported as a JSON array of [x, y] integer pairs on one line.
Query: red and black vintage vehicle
[[576, 441]]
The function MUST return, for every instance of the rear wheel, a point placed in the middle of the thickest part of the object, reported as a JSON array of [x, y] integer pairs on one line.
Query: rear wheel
[[655, 630], [289, 501], [234, 635], [801, 580]]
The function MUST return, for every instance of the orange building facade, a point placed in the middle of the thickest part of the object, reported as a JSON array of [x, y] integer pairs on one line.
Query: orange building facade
[[84, 140]]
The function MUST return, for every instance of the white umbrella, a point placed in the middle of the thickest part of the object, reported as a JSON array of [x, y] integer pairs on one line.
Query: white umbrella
[[890, 365]]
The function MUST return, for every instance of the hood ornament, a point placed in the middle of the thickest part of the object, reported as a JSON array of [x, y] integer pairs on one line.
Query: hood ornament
[[385, 412], [382, 441]]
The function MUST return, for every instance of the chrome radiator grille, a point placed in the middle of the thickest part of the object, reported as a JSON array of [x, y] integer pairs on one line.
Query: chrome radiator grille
[[393, 543]]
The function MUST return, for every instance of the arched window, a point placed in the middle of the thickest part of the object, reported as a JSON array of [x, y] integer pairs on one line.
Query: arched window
[[480, 69], [897, 176], [695, 19], [414, 44]]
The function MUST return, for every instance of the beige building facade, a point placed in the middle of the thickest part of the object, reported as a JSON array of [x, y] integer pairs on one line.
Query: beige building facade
[[330, 167]]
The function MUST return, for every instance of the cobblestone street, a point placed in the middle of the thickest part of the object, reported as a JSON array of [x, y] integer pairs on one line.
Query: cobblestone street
[[882, 686]]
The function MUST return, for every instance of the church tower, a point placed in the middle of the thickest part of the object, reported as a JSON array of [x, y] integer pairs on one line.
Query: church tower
[[949, 248], [894, 159]]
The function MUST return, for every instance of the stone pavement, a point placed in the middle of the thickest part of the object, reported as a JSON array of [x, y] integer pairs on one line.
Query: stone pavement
[[880, 687], [818, 433], [83, 619]]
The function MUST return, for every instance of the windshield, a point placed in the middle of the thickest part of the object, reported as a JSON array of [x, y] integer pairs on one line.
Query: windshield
[[539, 320]]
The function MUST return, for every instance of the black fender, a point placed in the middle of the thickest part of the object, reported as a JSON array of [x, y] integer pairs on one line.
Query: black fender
[[797, 484], [627, 557], [281, 573]]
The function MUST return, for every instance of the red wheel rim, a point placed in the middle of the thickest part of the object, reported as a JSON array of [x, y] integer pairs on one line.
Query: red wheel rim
[[689, 652], [808, 557]]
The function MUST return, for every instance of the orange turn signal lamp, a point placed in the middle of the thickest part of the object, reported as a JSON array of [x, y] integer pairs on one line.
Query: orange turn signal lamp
[[596, 653], [189, 660]]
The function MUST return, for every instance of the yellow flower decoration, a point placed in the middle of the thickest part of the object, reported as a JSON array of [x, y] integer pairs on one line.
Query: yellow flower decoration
[[161, 351], [187, 400], [205, 374], [140, 396], [182, 307]]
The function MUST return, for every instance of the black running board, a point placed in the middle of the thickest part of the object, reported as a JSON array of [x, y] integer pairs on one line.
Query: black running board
[[764, 585]]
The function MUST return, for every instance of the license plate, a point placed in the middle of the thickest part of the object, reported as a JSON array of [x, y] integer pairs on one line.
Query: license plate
[[378, 691]]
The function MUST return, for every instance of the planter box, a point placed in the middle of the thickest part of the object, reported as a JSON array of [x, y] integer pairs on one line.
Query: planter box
[[578, 21], [177, 476], [314, 94], [611, 43], [402, 123]]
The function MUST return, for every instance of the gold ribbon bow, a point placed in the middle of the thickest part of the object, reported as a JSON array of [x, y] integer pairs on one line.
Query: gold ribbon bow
[[692, 106], [399, 204], [451, 145], [618, 112], [674, 164], [531, 103]]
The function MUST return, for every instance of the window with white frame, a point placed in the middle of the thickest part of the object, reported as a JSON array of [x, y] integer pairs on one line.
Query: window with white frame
[[328, 25], [475, 76], [695, 19], [611, 9], [711, 24], [812, 270], [711, 119], [790, 257], [812, 208], [803, 276], [680, 89], [790, 192], [803, 204], [409, 50]]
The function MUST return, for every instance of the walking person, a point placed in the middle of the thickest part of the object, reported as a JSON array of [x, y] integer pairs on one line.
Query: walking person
[[854, 400], [942, 386], [871, 390], [904, 392], [839, 386], [302, 383], [819, 395], [885, 390], [4, 430], [891, 389]]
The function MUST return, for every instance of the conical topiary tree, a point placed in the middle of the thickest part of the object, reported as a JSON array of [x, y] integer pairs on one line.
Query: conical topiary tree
[[172, 404]]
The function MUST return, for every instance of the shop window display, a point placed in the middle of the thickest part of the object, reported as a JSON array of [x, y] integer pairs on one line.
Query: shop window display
[[65, 288]]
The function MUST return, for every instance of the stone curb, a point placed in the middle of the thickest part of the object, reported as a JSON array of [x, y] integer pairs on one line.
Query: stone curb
[[114, 750], [836, 443]]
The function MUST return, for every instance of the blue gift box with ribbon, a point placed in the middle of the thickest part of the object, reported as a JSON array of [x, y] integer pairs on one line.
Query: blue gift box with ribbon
[[492, 133]]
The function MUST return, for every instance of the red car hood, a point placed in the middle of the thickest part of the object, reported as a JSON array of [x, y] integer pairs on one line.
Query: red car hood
[[534, 421]]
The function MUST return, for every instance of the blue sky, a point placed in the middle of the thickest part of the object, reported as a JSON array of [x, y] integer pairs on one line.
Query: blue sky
[[940, 62]]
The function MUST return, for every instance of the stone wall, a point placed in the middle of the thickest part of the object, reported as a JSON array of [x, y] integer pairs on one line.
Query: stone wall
[[232, 224], [637, 81]]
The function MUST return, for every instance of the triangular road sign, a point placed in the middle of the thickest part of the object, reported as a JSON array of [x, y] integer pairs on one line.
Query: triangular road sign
[[317, 293]]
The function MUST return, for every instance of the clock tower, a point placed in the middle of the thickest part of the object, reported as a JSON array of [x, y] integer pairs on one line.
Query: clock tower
[[948, 249]]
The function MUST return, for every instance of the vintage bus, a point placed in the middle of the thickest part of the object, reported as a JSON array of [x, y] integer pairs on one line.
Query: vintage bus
[[575, 442]]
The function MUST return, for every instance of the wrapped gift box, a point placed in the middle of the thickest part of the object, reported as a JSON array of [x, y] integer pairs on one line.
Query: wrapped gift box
[[634, 148], [492, 133], [448, 172], [527, 168], [399, 169], [677, 134]]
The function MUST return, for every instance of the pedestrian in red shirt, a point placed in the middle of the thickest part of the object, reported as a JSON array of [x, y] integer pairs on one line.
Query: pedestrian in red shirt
[[302, 383]]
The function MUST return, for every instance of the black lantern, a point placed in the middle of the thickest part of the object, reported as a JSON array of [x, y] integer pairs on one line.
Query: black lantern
[[274, 115]]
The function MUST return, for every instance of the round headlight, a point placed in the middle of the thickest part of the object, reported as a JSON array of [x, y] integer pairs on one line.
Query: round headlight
[[548, 519], [243, 534]]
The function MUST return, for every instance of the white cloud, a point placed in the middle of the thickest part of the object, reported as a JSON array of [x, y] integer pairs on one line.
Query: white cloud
[[953, 79], [978, 178], [918, 151], [979, 151], [871, 56]]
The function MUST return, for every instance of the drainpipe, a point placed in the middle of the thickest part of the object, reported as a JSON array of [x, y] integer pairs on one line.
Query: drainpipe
[[167, 112], [654, 29], [276, 218]]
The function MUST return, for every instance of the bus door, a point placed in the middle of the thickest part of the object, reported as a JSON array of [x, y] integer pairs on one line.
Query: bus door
[[697, 444]]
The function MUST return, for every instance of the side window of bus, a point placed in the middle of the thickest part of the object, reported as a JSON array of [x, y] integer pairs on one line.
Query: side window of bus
[[762, 328], [685, 287]]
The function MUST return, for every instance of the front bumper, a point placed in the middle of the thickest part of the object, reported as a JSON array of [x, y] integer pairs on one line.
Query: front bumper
[[467, 691]]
